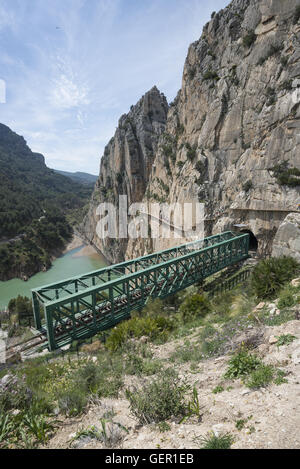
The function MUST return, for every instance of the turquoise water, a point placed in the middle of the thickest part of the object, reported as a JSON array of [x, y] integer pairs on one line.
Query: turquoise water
[[64, 267]]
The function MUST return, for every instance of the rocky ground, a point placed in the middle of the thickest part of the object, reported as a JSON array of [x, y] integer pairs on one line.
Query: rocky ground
[[270, 416]]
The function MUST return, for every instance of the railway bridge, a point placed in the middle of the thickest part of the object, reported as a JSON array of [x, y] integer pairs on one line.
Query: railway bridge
[[82, 306]]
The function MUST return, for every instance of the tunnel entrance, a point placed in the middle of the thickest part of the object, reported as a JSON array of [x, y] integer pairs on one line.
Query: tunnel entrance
[[253, 244]]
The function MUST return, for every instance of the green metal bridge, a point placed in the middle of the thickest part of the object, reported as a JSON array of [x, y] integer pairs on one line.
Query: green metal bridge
[[80, 307]]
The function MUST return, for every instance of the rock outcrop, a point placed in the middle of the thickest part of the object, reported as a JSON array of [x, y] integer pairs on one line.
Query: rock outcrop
[[126, 165], [232, 136], [287, 239]]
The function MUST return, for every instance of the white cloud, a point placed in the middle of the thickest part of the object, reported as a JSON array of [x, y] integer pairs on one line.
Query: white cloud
[[67, 87], [68, 94]]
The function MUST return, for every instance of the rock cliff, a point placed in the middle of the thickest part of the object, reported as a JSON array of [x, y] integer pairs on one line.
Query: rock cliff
[[232, 135], [126, 165]]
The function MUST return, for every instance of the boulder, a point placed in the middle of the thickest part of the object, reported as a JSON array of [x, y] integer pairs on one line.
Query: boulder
[[273, 340], [287, 239], [295, 282]]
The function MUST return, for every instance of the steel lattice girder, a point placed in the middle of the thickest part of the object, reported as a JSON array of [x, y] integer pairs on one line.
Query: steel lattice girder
[[84, 313], [80, 283], [63, 289]]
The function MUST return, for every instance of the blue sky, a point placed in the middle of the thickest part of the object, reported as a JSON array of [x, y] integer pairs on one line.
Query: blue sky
[[73, 67]]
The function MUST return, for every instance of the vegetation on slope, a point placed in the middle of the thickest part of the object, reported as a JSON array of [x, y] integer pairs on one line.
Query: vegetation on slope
[[68, 385], [37, 210]]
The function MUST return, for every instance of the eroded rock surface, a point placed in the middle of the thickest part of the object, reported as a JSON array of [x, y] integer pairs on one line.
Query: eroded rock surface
[[231, 134], [287, 239]]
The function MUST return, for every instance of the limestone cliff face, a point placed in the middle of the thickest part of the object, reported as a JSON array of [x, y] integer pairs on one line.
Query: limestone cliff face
[[287, 239], [234, 129], [232, 135], [126, 165]]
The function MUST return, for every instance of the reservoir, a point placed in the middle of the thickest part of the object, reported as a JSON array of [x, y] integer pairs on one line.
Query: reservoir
[[76, 262]]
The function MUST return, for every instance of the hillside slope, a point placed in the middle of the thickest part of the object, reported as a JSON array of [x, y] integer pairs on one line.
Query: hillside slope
[[28, 185], [34, 204], [82, 178]]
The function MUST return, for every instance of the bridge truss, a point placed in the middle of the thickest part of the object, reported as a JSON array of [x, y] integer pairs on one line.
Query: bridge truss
[[80, 307]]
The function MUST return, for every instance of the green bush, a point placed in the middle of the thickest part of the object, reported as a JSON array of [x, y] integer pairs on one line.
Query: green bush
[[191, 151], [72, 402], [284, 175], [261, 377], [248, 186], [212, 441], [88, 378], [286, 300], [156, 327], [103, 379], [195, 306], [285, 339], [249, 39], [159, 399], [187, 353], [211, 75], [139, 361], [218, 389], [241, 364], [192, 73], [15, 394], [270, 275]]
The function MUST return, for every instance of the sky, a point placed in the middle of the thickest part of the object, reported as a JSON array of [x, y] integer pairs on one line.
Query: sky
[[70, 68]]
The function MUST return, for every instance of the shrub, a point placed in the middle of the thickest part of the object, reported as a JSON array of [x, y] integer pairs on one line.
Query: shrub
[[87, 378], [200, 167], [188, 353], [287, 85], [140, 362], [163, 427], [286, 176], [15, 394], [195, 306], [110, 434], [286, 300], [152, 327], [38, 426], [159, 400], [72, 402], [261, 377], [270, 275], [191, 151], [285, 339], [249, 39], [193, 407], [218, 389], [239, 424], [192, 73], [241, 364], [280, 378], [212, 441], [211, 75], [247, 186]]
